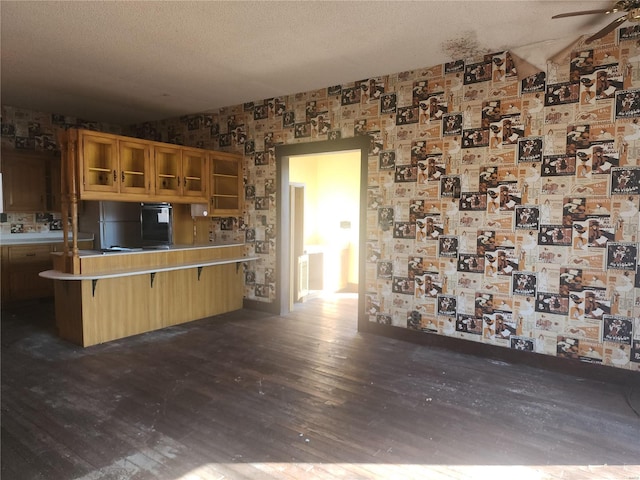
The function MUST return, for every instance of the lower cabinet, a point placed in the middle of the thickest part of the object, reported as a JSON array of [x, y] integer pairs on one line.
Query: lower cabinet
[[21, 265], [24, 264], [90, 312]]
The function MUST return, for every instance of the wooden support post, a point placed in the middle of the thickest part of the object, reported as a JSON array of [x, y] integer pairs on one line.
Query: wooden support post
[[73, 194], [63, 140]]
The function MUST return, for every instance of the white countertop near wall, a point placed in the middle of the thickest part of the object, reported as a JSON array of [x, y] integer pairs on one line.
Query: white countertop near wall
[[133, 251], [34, 238]]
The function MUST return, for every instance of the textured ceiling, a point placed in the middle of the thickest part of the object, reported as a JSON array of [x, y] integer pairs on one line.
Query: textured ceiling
[[125, 62]]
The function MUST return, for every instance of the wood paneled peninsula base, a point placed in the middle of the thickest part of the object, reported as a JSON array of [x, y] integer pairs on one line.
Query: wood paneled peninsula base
[[117, 295]]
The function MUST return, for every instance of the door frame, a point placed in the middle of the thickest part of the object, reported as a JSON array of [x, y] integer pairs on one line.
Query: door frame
[[296, 219], [283, 249]]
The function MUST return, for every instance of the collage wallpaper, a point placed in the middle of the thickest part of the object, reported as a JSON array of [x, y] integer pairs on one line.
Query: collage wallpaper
[[500, 210], [23, 129]]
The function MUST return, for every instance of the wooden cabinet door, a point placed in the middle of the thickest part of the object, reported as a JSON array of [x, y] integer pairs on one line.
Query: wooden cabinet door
[[4, 274], [134, 167], [54, 185], [25, 263], [226, 184], [194, 174], [168, 170], [99, 163], [21, 265], [23, 183]]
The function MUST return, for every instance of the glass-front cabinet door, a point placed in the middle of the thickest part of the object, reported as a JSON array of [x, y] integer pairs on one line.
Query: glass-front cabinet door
[[226, 185], [135, 176], [194, 173], [114, 167], [168, 169], [99, 163]]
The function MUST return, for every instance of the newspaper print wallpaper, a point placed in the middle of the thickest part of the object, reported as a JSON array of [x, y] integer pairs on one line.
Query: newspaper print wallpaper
[[500, 210], [23, 129]]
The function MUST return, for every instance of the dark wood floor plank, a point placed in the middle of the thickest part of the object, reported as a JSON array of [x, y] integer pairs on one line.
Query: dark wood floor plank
[[22, 456], [252, 395]]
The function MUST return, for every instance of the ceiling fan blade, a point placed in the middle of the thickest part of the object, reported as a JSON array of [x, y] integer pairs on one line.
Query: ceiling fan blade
[[609, 28], [585, 12]]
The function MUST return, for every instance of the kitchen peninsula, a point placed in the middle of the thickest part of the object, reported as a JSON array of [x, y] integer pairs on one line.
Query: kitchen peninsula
[[107, 294], [119, 294]]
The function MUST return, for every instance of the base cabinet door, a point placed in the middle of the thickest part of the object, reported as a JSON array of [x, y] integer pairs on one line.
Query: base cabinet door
[[25, 263], [26, 284], [21, 266]]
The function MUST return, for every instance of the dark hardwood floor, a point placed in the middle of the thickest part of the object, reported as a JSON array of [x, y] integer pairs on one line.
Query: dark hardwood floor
[[252, 395]]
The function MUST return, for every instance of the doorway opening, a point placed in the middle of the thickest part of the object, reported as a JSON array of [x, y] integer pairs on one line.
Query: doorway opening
[[324, 211], [321, 220]]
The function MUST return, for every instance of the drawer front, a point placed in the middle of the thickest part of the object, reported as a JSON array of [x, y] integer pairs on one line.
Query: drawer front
[[29, 254]]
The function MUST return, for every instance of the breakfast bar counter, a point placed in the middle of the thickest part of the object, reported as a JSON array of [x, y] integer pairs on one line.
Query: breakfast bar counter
[[124, 293]]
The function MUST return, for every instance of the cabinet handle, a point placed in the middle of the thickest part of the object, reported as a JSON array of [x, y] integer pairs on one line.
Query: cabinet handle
[[184, 184], [30, 255], [115, 176], [122, 177], [178, 180]]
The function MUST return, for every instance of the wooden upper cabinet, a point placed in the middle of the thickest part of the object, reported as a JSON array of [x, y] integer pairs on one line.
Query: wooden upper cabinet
[[115, 165], [98, 155], [181, 172], [54, 185], [135, 167], [226, 184], [168, 169], [24, 181], [194, 173]]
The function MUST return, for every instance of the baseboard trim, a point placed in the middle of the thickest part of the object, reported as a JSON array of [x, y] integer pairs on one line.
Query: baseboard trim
[[260, 306], [577, 368]]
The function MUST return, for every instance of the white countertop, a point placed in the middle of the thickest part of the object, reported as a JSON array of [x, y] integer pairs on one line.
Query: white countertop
[[55, 275], [48, 237], [134, 251]]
